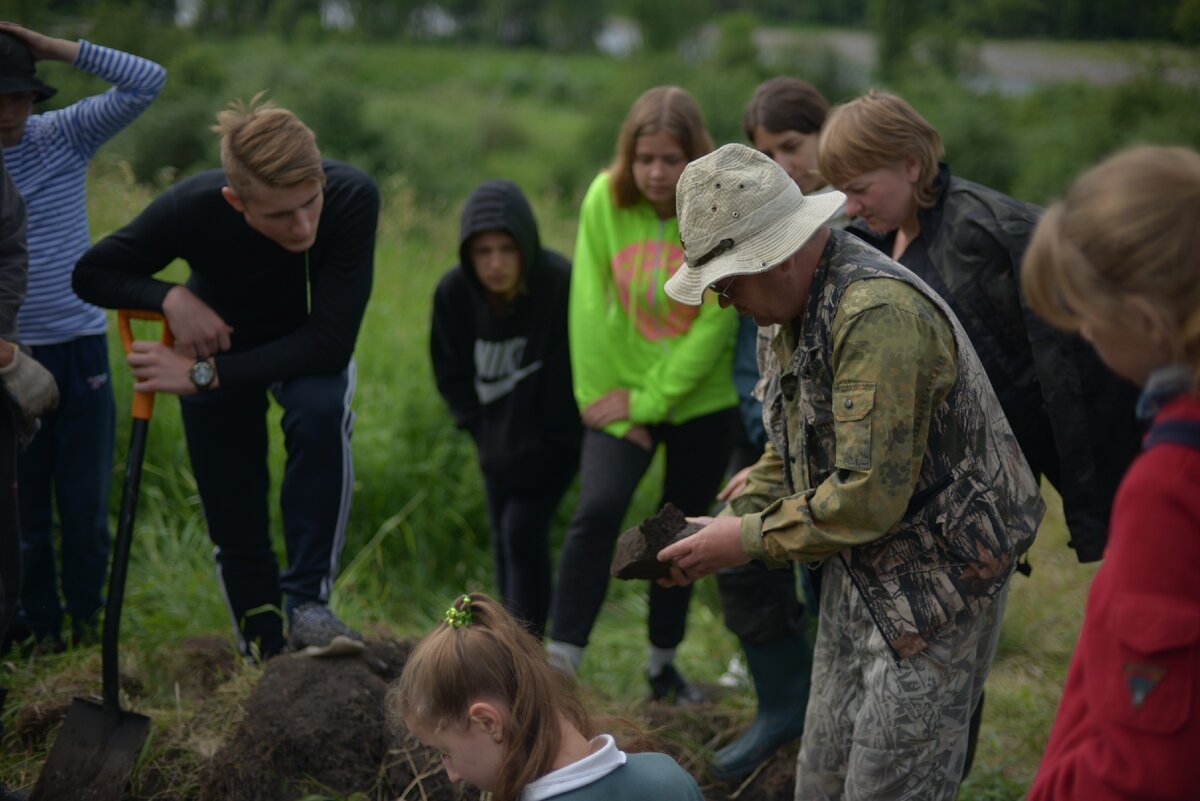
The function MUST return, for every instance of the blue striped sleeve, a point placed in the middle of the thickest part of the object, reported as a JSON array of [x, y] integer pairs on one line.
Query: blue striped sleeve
[[91, 122]]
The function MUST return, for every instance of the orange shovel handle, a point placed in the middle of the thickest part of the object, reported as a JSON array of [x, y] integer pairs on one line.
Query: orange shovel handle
[[143, 402]]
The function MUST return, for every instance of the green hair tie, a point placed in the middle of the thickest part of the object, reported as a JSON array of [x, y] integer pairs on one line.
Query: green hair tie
[[459, 618]]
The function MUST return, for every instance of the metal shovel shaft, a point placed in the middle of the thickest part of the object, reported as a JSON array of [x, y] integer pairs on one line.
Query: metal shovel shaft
[[120, 563]]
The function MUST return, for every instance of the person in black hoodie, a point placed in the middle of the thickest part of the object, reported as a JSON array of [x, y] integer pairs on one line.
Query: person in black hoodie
[[501, 360]]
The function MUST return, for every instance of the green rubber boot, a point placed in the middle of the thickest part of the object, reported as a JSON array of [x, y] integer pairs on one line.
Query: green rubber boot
[[782, 673]]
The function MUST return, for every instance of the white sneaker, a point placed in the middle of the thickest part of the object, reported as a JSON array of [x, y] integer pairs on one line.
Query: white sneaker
[[735, 674]]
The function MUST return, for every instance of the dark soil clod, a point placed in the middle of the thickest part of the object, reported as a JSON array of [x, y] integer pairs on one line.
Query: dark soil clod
[[636, 554]]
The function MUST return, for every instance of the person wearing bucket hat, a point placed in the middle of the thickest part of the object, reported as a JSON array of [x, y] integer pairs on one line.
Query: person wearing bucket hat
[[18, 74], [783, 120], [646, 371], [889, 461], [66, 468]]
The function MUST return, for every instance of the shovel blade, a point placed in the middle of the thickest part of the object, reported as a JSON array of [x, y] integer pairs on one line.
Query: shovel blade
[[93, 756]]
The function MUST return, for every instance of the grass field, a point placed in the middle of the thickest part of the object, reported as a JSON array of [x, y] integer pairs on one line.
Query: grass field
[[430, 122], [418, 536]]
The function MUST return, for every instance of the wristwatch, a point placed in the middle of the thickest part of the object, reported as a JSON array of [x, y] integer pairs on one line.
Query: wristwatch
[[202, 374]]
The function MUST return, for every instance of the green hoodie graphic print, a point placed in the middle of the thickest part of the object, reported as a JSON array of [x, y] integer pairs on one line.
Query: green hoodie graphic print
[[676, 360]]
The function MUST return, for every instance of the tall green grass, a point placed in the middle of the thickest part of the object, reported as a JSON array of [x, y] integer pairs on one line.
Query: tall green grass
[[418, 535], [431, 122]]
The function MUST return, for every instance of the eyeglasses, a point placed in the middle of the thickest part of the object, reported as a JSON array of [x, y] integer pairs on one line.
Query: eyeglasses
[[722, 292]]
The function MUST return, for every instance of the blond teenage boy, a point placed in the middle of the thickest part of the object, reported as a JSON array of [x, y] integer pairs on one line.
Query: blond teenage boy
[[280, 244]]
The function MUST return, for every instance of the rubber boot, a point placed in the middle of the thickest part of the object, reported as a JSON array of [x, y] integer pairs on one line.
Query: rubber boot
[[782, 673]]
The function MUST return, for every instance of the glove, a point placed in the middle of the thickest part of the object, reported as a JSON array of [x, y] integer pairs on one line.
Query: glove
[[33, 389]]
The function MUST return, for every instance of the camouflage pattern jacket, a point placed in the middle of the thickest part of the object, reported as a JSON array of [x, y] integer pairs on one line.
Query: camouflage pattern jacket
[[1055, 391], [974, 507]]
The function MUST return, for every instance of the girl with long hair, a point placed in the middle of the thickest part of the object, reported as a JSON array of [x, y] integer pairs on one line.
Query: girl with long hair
[[479, 690], [647, 370]]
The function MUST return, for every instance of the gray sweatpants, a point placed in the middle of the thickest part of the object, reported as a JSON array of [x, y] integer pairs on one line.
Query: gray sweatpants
[[882, 730]]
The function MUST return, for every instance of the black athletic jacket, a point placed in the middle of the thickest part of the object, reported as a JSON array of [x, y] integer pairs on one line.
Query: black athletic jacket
[[292, 314], [507, 377], [1073, 418]]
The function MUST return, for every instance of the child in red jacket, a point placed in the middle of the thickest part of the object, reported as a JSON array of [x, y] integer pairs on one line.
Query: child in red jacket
[[1118, 260]]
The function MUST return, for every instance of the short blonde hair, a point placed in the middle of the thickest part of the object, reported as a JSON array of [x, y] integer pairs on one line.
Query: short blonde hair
[[873, 132], [1127, 228], [266, 144], [663, 109]]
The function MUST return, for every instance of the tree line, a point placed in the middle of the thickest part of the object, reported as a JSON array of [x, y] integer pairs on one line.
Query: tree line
[[570, 25]]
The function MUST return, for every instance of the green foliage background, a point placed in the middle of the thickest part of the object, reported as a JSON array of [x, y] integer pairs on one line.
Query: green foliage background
[[430, 120]]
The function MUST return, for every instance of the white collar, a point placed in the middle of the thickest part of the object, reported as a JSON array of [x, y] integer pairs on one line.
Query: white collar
[[604, 758]]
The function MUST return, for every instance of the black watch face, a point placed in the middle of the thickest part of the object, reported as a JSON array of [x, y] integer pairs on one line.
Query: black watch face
[[202, 374]]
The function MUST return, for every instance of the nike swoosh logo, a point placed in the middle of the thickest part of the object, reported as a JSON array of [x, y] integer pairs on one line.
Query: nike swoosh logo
[[489, 391]]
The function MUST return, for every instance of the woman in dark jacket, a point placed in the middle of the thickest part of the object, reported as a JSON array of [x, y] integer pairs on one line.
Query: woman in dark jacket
[[500, 357], [1073, 419], [966, 241]]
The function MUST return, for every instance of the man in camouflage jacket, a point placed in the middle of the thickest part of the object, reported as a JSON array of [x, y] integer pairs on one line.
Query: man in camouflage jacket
[[889, 460]]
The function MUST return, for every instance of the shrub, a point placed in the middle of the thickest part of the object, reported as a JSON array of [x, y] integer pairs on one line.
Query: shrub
[[173, 138], [979, 143]]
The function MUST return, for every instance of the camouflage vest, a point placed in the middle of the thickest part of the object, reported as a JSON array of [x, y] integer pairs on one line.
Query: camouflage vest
[[976, 505]]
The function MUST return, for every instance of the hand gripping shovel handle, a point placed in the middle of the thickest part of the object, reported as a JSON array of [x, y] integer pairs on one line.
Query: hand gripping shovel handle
[[143, 408], [143, 402]]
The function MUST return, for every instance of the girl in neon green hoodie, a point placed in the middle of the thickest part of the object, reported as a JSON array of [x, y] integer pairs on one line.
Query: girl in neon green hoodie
[[646, 370]]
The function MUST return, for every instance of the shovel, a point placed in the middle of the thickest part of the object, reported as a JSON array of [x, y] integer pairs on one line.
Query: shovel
[[99, 744]]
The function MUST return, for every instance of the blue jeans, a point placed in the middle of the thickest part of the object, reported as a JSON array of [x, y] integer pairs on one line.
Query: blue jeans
[[68, 466], [227, 440]]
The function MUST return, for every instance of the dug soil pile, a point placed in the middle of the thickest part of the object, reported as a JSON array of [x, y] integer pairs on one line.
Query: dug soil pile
[[316, 726]]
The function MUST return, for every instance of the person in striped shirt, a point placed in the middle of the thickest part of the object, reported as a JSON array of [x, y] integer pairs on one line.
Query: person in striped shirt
[[71, 458]]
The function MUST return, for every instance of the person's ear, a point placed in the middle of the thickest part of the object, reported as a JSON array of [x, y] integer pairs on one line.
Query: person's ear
[[488, 718], [912, 169], [1145, 318], [232, 199]]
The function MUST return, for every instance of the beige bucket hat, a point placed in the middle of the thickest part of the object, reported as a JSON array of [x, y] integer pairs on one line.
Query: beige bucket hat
[[740, 214]]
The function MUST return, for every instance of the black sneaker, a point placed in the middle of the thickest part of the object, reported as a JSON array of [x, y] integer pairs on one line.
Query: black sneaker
[[315, 631], [671, 688]]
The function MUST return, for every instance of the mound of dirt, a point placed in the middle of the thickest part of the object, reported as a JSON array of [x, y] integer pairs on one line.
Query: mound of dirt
[[34, 721], [201, 664], [636, 554], [317, 726], [40, 712]]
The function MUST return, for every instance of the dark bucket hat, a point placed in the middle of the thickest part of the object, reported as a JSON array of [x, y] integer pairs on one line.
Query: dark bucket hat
[[17, 73]]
